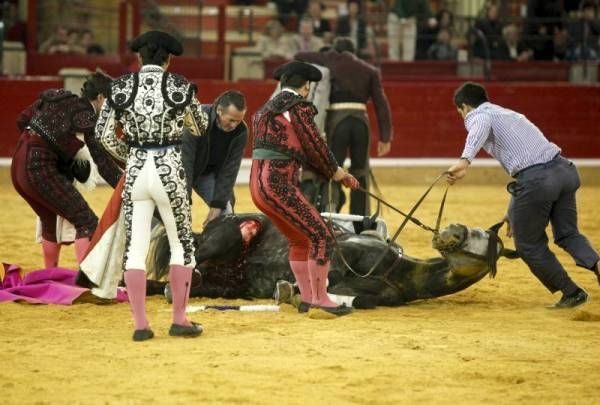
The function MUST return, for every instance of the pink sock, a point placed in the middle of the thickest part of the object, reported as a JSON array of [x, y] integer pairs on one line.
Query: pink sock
[[135, 280], [81, 248], [51, 253], [300, 270], [318, 281], [180, 278]]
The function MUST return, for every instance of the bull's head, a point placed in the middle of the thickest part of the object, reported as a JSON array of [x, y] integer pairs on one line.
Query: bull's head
[[475, 244]]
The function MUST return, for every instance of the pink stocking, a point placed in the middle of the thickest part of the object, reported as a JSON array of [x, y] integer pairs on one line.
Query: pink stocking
[[300, 270], [180, 278], [318, 281], [135, 280], [81, 247], [51, 253]]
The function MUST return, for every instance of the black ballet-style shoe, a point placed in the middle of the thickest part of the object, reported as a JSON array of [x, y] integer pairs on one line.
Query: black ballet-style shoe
[[303, 307], [186, 331], [576, 299], [140, 335], [340, 310]]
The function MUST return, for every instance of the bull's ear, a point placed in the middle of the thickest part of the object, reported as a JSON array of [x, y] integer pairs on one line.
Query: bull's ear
[[509, 253]]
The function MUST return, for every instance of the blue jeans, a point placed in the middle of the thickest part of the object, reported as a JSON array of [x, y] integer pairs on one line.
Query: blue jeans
[[205, 187]]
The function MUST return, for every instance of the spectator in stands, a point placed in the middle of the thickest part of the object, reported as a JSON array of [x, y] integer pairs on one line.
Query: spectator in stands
[[57, 42], [584, 34], [15, 28], [404, 18], [86, 42], [289, 8], [74, 42], [442, 49], [512, 47], [354, 26], [544, 21], [274, 44], [491, 28], [321, 26], [305, 40], [427, 34]]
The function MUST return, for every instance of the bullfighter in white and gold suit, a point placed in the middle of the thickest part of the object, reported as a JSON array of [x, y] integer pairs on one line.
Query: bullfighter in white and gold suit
[[153, 107]]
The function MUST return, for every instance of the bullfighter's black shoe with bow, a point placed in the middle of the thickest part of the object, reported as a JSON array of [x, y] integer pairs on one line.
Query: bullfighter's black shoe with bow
[[142, 334], [303, 307], [195, 329], [340, 310], [579, 297]]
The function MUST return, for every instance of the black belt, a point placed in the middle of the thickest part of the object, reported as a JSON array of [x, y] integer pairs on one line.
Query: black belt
[[520, 172]]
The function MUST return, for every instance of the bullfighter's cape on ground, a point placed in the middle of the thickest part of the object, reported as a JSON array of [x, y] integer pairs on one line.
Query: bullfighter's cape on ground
[[103, 264], [48, 286]]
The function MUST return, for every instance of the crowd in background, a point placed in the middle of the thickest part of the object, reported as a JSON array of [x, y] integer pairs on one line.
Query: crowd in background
[[71, 41], [548, 30], [411, 30]]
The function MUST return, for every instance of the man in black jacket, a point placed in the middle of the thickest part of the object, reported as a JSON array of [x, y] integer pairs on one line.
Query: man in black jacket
[[212, 162]]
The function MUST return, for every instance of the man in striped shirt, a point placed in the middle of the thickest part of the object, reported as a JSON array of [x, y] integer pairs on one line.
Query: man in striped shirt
[[543, 191]]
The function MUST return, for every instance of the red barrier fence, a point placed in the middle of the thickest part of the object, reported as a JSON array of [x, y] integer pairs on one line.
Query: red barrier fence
[[425, 121]]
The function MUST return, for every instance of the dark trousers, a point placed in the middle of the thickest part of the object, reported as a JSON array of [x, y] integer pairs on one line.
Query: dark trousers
[[351, 136], [49, 192], [546, 194]]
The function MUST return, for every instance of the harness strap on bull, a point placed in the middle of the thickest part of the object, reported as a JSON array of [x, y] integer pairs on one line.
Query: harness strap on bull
[[407, 217]]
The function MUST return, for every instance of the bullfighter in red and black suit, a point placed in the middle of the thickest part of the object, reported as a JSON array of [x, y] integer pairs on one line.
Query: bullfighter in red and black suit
[[54, 148], [285, 139]]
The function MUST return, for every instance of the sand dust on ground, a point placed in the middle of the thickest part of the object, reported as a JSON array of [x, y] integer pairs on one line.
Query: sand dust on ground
[[494, 342]]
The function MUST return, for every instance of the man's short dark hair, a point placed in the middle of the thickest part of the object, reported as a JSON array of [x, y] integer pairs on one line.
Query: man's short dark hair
[[293, 81], [343, 44], [471, 94], [96, 84], [231, 97]]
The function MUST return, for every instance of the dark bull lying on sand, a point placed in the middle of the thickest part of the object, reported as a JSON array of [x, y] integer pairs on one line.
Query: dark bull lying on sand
[[244, 256]]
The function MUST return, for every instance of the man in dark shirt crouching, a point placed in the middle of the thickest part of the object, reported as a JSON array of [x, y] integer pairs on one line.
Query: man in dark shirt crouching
[[212, 162]]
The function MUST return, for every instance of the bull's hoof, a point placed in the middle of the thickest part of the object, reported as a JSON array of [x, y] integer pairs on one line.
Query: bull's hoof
[[142, 334], [195, 329], [284, 291], [365, 302]]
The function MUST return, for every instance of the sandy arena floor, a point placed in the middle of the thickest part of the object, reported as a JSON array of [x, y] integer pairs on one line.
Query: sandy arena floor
[[494, 342]]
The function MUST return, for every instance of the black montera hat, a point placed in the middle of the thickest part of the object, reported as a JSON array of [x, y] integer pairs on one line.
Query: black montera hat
[[304, 70], [160, 39]]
